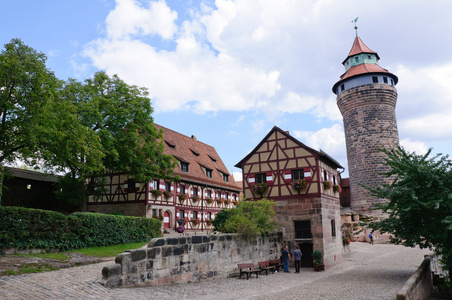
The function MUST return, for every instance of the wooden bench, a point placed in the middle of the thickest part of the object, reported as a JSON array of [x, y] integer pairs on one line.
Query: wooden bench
[[276, 263], [265, 266], [248, 269]]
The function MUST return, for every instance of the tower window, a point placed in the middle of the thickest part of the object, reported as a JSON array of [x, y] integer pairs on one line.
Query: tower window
[[333, 228], [392, 82], [357, 59], [385, 79], [374, 79], [342, 87]]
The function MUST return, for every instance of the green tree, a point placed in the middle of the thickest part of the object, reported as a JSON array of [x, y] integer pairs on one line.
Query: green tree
[[27, 90], [249, 218], [419, 206], [117, 133]]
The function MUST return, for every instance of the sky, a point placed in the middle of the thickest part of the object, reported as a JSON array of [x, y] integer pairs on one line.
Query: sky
[[227, 71]]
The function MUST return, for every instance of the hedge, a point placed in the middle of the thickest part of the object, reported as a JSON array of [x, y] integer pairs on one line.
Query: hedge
[[26, 228]]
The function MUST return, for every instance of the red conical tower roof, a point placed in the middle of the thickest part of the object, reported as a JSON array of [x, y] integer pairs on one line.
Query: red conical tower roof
[[359, 47]]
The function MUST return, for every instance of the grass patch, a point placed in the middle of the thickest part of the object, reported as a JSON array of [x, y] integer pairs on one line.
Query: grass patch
[[56, 256], [30, 268], [108, 251]]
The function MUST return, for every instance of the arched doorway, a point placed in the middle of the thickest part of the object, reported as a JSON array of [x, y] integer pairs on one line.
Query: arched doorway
[[166, 219]]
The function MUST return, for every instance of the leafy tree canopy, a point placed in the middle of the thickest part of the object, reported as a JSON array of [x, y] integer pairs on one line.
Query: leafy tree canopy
[[90, 128], [419, 203], [249, 218]]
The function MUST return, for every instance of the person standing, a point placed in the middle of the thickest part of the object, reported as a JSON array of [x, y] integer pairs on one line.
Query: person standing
[[371, 237], [285, 259], [297, 258]]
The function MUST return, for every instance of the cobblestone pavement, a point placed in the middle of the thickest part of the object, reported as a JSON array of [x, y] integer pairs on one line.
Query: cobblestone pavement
[[368, 272]]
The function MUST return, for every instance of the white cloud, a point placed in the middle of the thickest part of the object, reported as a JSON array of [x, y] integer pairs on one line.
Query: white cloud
[[424, 102], [331, 140], [414, 146], [129, 18], [238, 176]]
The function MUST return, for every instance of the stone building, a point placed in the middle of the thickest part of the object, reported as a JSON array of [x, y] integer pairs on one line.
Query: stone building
[[205, 187], [310, 216], [366, 97]]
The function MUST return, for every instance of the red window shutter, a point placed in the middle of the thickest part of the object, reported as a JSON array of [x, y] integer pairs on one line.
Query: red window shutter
[[269, 178], [162, 185], [287, 176], [307, 174], [126, 186], [251, 179]]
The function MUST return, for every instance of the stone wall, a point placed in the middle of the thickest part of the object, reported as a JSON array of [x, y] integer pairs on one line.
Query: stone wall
[[320, 211], [168, 261], [419, 285], [369, 123]]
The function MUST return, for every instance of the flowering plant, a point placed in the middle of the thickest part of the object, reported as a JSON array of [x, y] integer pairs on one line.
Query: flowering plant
[[228, 201], [236, 203], [346, 241], [327, 184], [219, 201], [209, 200], [182, 197], [209, 222], [337, 188], [195, 222], [167, 194], [299, 184], [156, 193], [195, 198], [260, 188]]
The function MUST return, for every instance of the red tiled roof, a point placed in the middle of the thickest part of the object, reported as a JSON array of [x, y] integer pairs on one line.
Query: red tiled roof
[[359, 47], [363, 69], [197, 155]]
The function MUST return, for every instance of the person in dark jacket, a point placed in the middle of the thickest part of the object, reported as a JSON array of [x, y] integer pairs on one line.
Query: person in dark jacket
[[285, 257], [297, 258]]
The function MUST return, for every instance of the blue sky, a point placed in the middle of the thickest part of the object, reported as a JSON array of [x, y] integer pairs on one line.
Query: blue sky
[[228, 71]]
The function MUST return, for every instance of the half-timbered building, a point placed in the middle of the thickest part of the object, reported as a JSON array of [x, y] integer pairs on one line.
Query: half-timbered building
[[205, 187], [304, 183]]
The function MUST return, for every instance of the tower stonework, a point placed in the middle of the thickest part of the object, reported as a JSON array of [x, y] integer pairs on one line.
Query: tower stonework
[[366, 97]]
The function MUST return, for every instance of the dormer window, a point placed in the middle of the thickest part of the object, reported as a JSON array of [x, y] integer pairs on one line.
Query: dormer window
[[213, 159], [356, 59], [184, 166], [194, 152], [209, 173], [170, 145], [226, 178]]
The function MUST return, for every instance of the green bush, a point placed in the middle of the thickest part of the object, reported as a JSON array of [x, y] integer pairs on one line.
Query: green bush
[[26, 228], [249, 218]]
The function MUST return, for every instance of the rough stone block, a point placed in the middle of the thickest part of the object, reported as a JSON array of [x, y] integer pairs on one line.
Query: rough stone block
[[196, 239], [137, 255], [153, 253], [172, 241], [123, 258], [111, 270], [156, 242]]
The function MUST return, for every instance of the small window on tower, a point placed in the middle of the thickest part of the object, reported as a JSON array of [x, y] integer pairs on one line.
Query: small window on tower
[[385, 79], [392, 82], [374, 79], [342, 87], [357, 59]]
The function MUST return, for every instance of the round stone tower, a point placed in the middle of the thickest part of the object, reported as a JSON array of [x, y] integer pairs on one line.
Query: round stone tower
[[366, 97]]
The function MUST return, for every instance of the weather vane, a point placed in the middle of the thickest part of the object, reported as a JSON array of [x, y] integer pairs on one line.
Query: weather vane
[[356, 27]]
